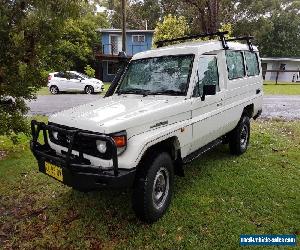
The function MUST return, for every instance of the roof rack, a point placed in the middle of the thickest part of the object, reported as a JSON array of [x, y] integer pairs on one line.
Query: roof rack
[[220, 34], [245, 38]]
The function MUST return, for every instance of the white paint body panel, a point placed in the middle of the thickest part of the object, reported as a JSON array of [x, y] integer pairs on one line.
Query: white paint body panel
[[192, 121]]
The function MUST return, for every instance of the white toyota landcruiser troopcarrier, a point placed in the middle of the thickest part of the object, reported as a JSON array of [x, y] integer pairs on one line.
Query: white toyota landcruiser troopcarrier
[[166, 108]]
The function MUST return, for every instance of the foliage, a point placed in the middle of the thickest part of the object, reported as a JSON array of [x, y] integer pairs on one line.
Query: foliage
[[137, 14], [28, 29], [283, 38], [36, 37], [78, 39], [267, 20], [171, 27], [89, 71]]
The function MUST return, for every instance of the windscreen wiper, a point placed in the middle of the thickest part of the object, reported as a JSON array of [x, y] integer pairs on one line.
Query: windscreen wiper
[[143, 92], [167, 92]]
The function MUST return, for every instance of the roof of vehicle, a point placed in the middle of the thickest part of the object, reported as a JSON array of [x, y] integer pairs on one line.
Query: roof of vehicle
[[191, 48]]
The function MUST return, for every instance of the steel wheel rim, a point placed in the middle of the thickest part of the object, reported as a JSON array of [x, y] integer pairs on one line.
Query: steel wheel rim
[[244, 136], [160, 188]]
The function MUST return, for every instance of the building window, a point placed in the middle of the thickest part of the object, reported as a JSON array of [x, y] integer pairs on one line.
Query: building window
[[112, 68], [235, 64], [138, 38]]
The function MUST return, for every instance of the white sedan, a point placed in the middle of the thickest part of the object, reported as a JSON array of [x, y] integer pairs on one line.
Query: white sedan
[[72, 81]]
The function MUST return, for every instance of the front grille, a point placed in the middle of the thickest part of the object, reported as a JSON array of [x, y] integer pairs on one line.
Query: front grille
[[81, 143]]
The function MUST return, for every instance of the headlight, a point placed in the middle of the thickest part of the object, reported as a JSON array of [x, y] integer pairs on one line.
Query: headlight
[[101, 146], [55, 135]]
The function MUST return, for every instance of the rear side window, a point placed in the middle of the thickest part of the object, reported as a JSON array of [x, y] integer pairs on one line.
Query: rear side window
[[251, 63], [60, 74], [235, 64]]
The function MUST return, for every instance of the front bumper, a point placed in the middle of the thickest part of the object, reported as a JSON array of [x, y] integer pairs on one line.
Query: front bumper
[[76, 170]]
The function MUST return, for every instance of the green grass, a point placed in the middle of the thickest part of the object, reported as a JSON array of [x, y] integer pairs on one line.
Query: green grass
[[45, 90], [282, 89], [220, 197]]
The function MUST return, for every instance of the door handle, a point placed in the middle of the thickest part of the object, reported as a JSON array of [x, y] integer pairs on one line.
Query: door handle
[[219, 104]]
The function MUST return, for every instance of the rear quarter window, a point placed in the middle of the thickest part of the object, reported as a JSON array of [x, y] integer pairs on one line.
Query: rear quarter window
[[252, 66], [235, 64]]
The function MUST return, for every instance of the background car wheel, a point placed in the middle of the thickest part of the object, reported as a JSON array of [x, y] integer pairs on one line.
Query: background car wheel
[[153, 187], [54, 90], [239, 137], [89, 90]]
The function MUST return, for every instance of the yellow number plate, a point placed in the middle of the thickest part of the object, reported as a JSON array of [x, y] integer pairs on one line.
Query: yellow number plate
[[54, 171]]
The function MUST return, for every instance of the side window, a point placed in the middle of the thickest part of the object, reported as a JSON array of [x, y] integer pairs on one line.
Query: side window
[[74, 76], [207, 74], [251, 63], [235, 64], [60, 75]]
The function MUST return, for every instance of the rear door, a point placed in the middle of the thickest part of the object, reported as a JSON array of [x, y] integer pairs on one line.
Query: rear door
[[207, 113], [60, 81]]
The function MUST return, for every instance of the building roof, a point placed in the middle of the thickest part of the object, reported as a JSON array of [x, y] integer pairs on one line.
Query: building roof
[[279, 59], [127, 31], [191, 48]]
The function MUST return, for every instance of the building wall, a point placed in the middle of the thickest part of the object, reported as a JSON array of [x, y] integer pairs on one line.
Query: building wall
[[131, 47], [283, 76]]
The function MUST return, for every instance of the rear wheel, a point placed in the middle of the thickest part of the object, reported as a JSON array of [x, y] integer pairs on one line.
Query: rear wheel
[[54, 90], [153, 187], [239, 137], [89, 90]]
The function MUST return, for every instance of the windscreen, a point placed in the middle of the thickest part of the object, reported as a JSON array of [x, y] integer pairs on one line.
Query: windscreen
[[159, 75]]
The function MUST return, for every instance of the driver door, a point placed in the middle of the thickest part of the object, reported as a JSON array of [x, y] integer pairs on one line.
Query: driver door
[[207, 110]]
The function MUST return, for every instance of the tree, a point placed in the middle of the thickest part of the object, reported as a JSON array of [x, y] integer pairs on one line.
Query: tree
[[171, 27], [283, 39], [137, 13], [29, 29], [274, 24], [78, 39]]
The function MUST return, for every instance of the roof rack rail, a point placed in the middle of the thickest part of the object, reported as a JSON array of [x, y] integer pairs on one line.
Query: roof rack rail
[[241, 38], [220, 34]]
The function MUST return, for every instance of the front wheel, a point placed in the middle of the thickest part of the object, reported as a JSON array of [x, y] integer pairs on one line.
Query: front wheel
[[240, 136], [89, 90], [153, 187]]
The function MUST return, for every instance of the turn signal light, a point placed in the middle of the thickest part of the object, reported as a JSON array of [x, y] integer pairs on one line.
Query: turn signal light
[[120, 141]]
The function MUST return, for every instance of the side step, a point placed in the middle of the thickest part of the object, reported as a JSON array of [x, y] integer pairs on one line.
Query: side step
[[189, 158]]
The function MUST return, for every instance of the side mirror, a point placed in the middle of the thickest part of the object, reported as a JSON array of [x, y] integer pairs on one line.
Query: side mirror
[[208, 90]]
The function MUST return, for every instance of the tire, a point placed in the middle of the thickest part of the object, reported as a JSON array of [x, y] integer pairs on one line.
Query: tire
[[54, 90], [240, 136], [88, 90], [153, 187]]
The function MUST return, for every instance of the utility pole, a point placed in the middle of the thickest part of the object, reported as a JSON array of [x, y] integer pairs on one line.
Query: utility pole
[[124, 25]]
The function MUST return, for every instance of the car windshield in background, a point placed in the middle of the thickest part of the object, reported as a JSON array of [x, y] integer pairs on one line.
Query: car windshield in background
[[165, 75]]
